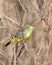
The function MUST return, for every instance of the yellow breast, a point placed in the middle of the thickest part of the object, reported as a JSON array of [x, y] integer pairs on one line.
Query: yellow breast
[[18, 39]]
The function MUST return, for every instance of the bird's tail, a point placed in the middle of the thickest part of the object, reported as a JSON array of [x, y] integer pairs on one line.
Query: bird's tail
[[7, 43]]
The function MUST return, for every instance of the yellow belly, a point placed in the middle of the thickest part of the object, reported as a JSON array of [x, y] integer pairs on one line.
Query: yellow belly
[[18, 39]]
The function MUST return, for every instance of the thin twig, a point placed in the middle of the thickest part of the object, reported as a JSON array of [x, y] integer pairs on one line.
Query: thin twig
[[40, 49], [47, 54], [20, 51], [3, 27], [2, 41], [14, 54], [12, 20], [4, 55], [22, 6]]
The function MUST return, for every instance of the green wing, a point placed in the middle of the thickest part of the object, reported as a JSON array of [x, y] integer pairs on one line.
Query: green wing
[[19, 33], [26, 30]]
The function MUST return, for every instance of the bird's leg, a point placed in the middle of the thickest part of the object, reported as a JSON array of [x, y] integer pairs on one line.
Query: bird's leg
[[26, 48]]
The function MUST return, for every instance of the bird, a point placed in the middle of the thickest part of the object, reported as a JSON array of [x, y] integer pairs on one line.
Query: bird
[[23, 33]]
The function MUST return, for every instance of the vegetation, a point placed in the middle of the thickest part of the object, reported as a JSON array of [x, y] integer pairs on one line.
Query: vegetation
[[37, 50]]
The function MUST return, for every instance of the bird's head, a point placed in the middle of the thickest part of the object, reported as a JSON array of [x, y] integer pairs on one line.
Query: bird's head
[[29, 23]]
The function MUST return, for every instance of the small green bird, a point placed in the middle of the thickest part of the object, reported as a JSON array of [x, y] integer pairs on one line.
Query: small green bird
[[23, 34]]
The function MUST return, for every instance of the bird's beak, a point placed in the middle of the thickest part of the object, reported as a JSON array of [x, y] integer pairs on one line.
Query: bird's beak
[[32, 27], [33, 24]]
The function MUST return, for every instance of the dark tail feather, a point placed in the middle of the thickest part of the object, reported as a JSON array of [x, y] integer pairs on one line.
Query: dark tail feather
[[7, 43]]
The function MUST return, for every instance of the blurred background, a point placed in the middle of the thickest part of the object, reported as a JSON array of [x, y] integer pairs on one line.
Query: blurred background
[[14, 12]]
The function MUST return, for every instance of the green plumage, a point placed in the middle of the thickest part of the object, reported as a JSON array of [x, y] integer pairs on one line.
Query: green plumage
[[23, 34]]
